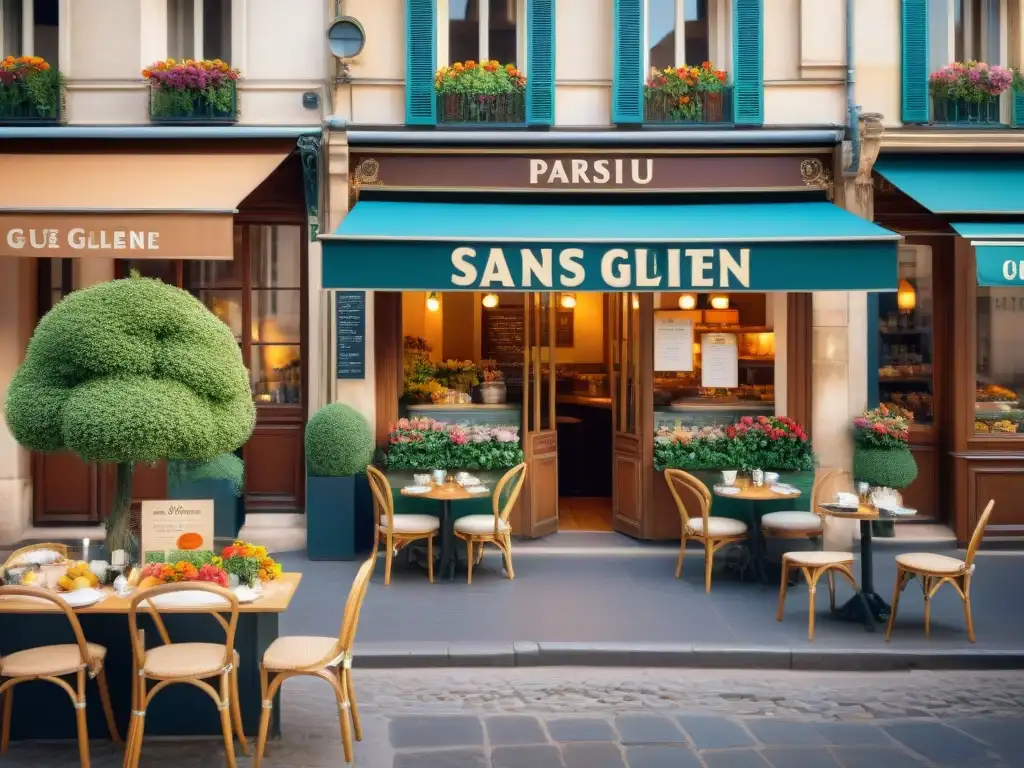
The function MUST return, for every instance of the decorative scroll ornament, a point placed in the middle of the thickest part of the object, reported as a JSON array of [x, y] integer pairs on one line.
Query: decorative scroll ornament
[[365, 174], [815, 174], [309, 154]]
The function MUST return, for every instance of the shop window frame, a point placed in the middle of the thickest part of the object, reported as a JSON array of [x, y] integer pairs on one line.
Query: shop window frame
[[483, 35], [178, 44]]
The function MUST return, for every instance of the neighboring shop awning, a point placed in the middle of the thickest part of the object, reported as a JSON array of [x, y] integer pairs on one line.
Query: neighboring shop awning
[[159, 204], [958, 185], [998, 250], [812, 246]]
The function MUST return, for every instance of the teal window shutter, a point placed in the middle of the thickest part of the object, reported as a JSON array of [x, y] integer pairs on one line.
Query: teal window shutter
[[747, 62], [420, 62], [628, 71], [915, 61], [540, 62]]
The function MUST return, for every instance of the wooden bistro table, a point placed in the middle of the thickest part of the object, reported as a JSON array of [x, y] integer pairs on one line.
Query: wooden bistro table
[[446, 494], [867, 605], [41, 711], [754, 493]]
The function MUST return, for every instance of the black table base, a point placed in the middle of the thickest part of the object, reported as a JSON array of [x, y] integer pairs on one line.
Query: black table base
[[867, 606]]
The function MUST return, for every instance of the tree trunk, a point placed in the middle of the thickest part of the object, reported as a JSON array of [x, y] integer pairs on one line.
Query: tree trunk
[[119, 531]]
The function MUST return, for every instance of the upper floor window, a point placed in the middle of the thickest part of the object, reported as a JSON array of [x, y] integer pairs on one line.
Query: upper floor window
[[199, 29], [965, 30], [677, 33], [482, 30], [29, 28]]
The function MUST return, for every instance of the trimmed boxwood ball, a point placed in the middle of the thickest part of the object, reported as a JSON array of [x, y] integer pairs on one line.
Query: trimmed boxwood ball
[[338, 442], [885, 467], [131, 371]]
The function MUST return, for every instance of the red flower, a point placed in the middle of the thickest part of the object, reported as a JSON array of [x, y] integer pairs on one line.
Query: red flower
[[746, 420], [730, 432]]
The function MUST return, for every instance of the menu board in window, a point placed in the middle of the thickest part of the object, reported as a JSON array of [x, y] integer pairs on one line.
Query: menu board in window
[[719, 356], [503, 342]]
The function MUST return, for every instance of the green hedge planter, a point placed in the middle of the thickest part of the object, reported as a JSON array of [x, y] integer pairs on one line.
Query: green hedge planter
[[884, 467], [228, 509]]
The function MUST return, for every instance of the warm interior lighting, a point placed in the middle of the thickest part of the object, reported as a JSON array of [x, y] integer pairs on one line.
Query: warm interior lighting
[[719, 301], [490, 300], [688, 301], [568, 300], [906, 296], [636, 302], [433, 302]]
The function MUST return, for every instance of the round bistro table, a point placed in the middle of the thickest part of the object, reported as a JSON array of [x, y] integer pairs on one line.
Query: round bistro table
[[867, 606], [446, 494], [752, 494]]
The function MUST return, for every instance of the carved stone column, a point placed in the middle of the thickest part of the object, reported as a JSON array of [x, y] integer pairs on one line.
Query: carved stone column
[[839, 361]]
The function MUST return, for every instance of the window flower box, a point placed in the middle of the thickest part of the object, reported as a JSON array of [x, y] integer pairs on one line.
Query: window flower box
[[198, 92], [968, 93], [31, 92], [696, 95], [488, 93]]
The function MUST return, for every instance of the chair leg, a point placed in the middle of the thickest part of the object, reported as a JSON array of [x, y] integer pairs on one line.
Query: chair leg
[[80, 722], [968, 618], [469, 561], [389, 554], [266, 710], [225, 720], [831, 591], [108, 710], [782, 588], [5, 727], [812, 585], [682, 552], [709, 560], [895, 604], [506, 550], [350, 691], [236, 713], [430, 558], [927, 606], [480, 553], [343, 717], [136, 723]]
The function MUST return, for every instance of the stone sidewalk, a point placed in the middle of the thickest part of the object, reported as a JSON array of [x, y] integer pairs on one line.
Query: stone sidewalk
[[628, 718]]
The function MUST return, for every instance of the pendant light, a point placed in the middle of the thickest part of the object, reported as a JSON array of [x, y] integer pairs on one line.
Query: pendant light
[[688, 301], [433, 301], [719, 301], [906, 296], [490, 300], [568, 300], [636, 302]]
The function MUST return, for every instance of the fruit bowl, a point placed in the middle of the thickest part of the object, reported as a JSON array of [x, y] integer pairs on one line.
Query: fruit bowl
[[76, 577]]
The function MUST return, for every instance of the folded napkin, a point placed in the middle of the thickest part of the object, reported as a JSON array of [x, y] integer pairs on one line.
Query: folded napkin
[[785, 490], [729, 490]]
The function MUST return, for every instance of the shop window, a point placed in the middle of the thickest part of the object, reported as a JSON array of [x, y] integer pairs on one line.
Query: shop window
[[29, 28], [199, 29], [54, 281], [976, 30], [999, 361], [483, 30], [906, 322]]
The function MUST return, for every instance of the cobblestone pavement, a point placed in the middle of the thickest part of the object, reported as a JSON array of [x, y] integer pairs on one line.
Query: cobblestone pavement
[[638, 718]]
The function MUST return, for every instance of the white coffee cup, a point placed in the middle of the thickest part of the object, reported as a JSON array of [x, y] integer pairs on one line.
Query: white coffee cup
[[771, 477], [439, 475], [847, 500], [729, 476]]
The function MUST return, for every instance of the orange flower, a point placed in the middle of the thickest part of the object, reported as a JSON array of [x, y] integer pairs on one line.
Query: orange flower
[[684, 99], [44, 67], [510, 68], [470, 64], [146, 73], [721, 76], [706, 65]]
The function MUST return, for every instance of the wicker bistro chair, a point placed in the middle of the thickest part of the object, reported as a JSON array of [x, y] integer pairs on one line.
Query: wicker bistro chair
[[936, 570], [398, 530], [814, 565], [488, 529], [329, 658], [713, 532], [191, 663], [53, 663], [804, 524]]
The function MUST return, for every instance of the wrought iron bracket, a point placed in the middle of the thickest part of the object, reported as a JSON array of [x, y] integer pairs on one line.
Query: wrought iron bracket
[[309, 153]]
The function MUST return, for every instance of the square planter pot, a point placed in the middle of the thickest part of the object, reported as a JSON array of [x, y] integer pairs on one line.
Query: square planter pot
[[339, 517], [228, 509]]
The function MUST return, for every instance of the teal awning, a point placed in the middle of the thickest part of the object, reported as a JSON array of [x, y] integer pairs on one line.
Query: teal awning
[[958, 185], [812, 246]]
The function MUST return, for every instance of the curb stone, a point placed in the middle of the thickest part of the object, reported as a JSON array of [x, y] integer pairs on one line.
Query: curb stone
[[560, 654]]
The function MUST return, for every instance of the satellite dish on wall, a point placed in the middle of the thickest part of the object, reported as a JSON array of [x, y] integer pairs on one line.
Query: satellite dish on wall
[[346, 37]]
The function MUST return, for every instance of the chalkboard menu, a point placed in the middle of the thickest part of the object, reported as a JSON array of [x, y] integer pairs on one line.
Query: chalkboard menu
[[350, 332], [504, 332]]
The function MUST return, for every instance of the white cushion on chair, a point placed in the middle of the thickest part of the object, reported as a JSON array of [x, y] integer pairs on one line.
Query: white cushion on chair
[[816, 559], [414, 524], [792, 521], [478, 525], [717, 526], [926, 561]]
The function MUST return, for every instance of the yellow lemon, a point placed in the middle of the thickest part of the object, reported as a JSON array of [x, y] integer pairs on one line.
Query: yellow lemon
[[94, 580], [30, 578], [65, 583], [81, 583]]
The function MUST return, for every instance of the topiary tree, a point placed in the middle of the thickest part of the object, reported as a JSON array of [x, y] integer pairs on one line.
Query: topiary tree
[[338, 442], [131, 371]]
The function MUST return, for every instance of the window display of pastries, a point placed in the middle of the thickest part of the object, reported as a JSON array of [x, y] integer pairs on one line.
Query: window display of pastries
[[993, 393]]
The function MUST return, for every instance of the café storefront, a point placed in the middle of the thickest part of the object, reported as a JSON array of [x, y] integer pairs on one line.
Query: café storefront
[[564, 269], [224, 220]]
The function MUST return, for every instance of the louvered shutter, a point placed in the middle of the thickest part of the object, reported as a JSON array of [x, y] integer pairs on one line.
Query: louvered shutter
[[420, 62], [748, 66], [540, 58], [628, 71], [915, 61]]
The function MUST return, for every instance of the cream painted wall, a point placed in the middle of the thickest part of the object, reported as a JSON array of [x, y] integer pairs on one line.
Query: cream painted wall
[[280, 48], [877, 39]]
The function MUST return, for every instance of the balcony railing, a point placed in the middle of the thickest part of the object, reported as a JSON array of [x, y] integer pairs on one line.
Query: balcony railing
[[697, 108], [481, 108], [193, 106], [960, 112]]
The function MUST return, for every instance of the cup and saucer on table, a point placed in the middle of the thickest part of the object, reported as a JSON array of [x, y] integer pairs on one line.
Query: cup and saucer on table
[[889, 502], [470, 483], [728, 484]]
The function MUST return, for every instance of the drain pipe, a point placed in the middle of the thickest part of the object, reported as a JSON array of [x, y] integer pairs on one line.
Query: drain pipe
[[852, 108]]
